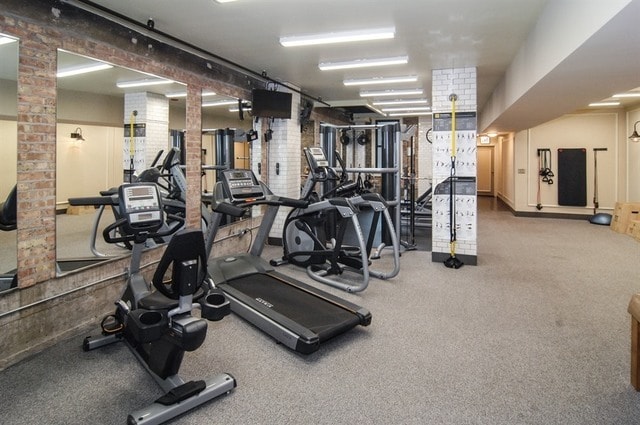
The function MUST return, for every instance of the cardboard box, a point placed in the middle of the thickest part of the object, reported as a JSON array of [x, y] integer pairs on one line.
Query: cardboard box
[[623, 214], [634, 229]]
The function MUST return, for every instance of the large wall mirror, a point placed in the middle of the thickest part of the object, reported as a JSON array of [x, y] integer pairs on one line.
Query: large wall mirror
[[226, 128], [8, 153], [99, 107]]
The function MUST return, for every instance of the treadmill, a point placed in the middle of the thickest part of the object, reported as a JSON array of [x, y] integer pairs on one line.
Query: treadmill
[[296, 314]]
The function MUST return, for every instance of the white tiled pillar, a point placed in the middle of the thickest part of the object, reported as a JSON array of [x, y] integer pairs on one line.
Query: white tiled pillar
[[462, 83], [151, 128], [281, 170]]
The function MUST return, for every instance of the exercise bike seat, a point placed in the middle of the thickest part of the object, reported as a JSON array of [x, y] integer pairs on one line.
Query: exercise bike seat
[[8, 211], [158, 301], [185, 245]]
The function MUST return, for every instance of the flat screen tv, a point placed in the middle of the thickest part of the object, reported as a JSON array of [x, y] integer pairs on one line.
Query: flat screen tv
[[271, 104]]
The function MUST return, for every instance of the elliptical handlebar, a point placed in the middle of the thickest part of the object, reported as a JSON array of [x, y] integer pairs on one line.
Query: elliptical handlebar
[[274, 200]]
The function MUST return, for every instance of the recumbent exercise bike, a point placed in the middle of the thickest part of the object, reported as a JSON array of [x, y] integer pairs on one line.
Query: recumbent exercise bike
[[156, 322]]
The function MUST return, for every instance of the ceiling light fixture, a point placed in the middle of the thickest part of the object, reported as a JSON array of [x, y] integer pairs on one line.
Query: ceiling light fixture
[[401, 102], [409, 114], [363, 63], [184, 94], [629, 94], [338, 37], [6, 40], [85, 69], [380, 80], [400, 92], [219, 103], [142, 83], [417, 108], [604, 104], [635, 137]]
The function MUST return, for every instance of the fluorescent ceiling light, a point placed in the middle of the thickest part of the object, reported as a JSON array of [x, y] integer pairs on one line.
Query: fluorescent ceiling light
[[630, 94], [142, 83], [364, 63], [184, 94], [380, 80], [409, 114], [604, 104], [220, 103], [224, 1], [402, 102], [400, 92], [85, 69], [417, 108], [6, 40], [338, 37]]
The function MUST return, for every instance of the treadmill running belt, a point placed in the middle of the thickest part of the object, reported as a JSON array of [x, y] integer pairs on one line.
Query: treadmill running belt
[[322, 317]]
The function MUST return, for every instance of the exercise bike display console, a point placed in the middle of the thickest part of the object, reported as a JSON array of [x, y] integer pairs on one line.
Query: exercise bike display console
[[141, 207]]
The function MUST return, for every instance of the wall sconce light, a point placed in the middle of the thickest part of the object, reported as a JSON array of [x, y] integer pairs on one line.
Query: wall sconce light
[[635, 137], [77, 134]]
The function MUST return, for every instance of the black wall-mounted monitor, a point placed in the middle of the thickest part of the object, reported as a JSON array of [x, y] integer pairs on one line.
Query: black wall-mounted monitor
[[271, 104]]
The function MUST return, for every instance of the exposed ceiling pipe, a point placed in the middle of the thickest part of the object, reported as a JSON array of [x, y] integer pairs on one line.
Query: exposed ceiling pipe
[[150, 31]]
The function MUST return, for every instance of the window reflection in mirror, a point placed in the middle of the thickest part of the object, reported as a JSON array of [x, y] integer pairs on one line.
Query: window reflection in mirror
[[8, 151], [99, 106], [225, 129]]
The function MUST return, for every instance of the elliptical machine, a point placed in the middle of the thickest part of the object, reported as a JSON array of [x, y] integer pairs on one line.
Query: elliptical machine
[[327, 237], [157, 325]]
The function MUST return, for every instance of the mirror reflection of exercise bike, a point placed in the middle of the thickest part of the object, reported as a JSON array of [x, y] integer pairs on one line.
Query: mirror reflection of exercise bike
[[155, 322], [336, 232]]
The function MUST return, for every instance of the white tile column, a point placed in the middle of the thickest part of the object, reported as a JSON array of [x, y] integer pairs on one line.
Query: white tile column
[[151, 128], [462, 83]]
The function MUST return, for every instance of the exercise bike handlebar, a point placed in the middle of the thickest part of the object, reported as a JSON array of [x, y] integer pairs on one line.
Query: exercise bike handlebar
[[94, 200], [109, 230]]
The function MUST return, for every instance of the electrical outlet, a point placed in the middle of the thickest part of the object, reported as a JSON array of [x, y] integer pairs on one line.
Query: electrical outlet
[[522, 171]]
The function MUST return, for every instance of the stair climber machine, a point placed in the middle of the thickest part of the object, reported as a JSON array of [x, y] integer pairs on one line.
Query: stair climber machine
[[295, 314], [155, 322], [333, 235]]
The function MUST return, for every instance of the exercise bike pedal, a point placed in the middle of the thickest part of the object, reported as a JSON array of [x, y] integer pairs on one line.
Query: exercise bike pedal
[[182, 392]]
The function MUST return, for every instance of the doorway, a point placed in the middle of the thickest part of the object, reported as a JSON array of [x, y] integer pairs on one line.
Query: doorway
[[485, 171]]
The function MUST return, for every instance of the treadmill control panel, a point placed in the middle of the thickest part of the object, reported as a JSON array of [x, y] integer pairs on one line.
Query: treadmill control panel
[[241, 185]]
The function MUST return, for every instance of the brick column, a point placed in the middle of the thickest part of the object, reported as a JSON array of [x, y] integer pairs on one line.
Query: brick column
[[194, 155], [462, 83], [36, 161]]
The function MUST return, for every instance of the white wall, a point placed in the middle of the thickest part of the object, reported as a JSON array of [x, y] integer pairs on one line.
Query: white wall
[[8, 149], [86, 168], [633, 156], [592, 130]]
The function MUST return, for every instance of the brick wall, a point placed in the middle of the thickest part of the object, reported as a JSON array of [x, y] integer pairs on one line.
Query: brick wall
[[77, 301]]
